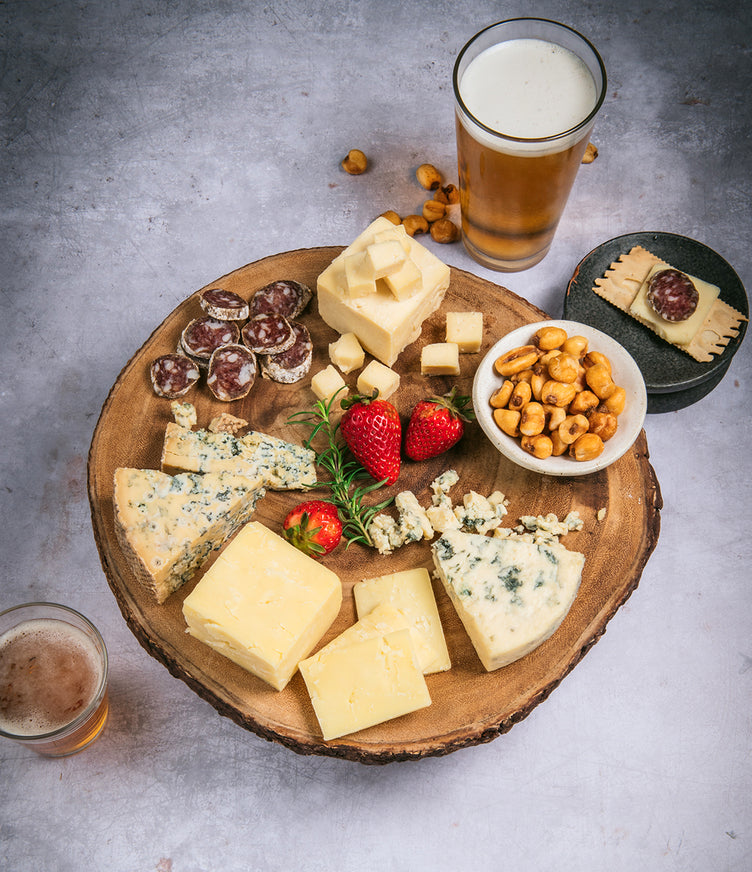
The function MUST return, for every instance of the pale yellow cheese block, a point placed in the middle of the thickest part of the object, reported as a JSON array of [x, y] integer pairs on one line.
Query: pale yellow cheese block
[[377, 377], [411, 593], [466, 329], [263, 604], [383, 324], [356, 686]]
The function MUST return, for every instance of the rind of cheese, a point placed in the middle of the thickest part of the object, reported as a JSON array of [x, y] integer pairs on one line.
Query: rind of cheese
[[510, 595], [378, 377], [466, 329], [365, 683], [676, 332], [440, 358], [282, 465], [263, 604], [167, 526], [383, 324], [409, 592]]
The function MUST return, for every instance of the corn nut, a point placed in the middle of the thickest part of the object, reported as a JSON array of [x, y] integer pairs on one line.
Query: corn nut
[[584, 402], [563, 368], [556, 393], [500, 397], [548, 338], [572, 427], [516, 360], [586, 447], [576, 346], [520, 396], [532, 419], [603, 424], [539, 446], [616, 401], [598, 378], [508, 421]]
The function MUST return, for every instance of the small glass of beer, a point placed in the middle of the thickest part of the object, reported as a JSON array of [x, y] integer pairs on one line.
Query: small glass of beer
[[527, 91], [53, 678]]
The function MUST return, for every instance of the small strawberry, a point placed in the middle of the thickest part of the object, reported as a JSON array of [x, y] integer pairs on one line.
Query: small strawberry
[[313, 527], [436, 425], [373, 433]]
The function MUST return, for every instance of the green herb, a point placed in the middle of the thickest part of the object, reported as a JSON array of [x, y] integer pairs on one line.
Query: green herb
[[344, 472]]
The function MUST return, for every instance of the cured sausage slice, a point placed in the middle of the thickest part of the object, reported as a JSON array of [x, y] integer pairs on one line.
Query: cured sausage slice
[[285, 297], [223, 305], [268, 333], [204, 335], [291, 365], [173, 375], [232, 372], [672, 295]]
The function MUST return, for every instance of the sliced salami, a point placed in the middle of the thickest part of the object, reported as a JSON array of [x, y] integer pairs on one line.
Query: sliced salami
[[291, 365], [223, 305], [204, 335], [173, 375], [268, 333], [232, 372], [672, 295], [285, 297]]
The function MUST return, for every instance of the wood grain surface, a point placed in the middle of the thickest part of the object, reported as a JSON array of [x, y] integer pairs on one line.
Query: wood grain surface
[[469, 705]]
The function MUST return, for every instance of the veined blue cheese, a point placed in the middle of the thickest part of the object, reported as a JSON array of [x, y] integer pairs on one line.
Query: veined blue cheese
[[509, 594], [282, 465]]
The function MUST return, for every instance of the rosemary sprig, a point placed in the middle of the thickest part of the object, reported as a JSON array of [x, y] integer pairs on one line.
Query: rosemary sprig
[[344, 472]]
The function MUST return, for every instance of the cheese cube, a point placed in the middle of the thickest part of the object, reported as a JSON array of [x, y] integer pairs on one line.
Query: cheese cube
[[365, 683], [466, 329], [359, 277], [411, 594], [383, 324], [440, 358], [327, 382], [510, 595], [405, 281], [347, 353], [385, 258], [378, 377], [263, 604]]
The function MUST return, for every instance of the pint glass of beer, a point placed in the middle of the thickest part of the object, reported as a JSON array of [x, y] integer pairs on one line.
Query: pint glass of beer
[[53, 678], [527, 91]]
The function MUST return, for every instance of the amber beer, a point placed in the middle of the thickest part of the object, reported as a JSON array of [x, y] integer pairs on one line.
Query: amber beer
[[526, 95], [53, 679]]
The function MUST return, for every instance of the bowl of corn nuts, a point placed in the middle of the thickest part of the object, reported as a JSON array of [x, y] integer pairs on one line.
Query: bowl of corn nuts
[[560, 398]]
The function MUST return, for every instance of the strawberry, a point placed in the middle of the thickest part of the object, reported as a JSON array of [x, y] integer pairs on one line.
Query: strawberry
[[436, 425], [313, 527], [373, 433]]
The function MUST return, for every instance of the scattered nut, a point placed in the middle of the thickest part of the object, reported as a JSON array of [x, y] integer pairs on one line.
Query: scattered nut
[[415, 224], [452, 193], [444, 231], [591, 153], [433, 210], [355, 163], [392, 216], [428, 177]]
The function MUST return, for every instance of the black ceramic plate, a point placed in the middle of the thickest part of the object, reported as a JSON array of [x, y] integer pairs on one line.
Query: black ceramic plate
[[673, 378]]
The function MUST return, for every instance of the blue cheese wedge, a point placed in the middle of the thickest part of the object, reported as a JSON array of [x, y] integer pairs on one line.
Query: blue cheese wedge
[[510, 595], [282, 465], [168, 525]]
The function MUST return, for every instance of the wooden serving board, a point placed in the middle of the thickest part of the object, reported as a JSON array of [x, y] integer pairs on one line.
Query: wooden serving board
[[469, 705]]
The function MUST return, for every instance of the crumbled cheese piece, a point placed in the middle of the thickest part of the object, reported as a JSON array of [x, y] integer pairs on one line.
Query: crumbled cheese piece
[[442, 517], [476, 514], [601, 514], [184, 414], [442, 485]]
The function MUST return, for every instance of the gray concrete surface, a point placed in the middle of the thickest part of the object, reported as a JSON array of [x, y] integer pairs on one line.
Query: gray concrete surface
[[151, 147]]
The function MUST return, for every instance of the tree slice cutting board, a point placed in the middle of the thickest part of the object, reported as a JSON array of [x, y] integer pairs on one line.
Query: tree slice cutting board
[[469, 705]]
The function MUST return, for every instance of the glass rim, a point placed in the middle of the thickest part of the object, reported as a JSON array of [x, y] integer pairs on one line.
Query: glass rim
[[101, 688], [522, 139]]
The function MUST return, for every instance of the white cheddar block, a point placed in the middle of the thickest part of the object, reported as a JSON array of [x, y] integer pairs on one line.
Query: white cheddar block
[[378, 377], [385, 257], [383, 324], [466, 329], [509, 594], [263, 604], [327, 382], [440, 358], [347, 353], [364, 683], [411, 594]]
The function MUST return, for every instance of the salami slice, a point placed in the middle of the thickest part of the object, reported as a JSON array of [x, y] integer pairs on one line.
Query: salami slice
[[204, 335], [672, 295], [232, 372], [291, 365], [285, 297], [268, 333], [223, 305], [173, 375]]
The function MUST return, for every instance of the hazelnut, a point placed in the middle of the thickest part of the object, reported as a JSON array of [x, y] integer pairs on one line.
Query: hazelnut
[[433, 210], [444, 230], [415, 224], [428, 177], [355, 163], [392, 216]]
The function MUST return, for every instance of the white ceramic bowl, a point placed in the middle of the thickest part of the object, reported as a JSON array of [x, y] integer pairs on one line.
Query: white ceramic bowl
[[625, 372]]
